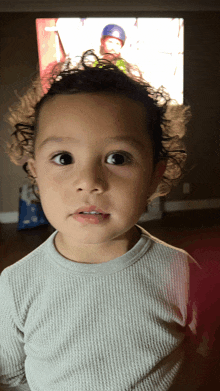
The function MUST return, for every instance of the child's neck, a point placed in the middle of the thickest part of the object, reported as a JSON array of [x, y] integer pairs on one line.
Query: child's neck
[[97, 253]]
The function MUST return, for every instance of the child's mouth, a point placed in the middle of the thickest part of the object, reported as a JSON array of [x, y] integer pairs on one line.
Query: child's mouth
[[91, 218]]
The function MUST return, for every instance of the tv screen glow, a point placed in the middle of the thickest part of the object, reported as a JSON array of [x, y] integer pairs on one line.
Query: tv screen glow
[[155, 45]]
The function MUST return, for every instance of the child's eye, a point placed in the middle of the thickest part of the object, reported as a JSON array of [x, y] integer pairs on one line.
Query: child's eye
[[66, 158], [120, 158]]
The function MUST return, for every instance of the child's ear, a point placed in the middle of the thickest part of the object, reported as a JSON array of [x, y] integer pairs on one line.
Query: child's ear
[[31, 167], [157, 175]]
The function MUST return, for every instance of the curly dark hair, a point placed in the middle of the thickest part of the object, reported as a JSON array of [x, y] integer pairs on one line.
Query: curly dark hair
[[166, 120]]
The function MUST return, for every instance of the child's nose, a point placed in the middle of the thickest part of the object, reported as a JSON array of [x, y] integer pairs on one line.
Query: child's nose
[[90, 178]]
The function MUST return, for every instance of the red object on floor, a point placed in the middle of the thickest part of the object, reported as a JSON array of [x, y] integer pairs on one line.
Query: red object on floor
[[206, 287]]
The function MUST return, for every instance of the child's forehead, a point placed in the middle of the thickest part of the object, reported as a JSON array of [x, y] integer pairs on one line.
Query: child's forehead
[[89, 109], [105, 99], [110, 113]]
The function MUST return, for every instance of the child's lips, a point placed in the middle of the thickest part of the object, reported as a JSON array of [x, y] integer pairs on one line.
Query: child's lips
[[91, 208], [90, 218]]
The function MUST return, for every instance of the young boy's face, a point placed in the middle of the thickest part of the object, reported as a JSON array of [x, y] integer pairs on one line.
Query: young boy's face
[[93, 167], [112, 45]]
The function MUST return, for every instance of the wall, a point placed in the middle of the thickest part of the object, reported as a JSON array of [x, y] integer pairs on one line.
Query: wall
[[201, 91], [107, 5], [18, 61], [18, 56]]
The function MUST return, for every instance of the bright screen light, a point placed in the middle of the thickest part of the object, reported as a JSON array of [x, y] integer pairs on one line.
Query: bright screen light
[[155, 45]]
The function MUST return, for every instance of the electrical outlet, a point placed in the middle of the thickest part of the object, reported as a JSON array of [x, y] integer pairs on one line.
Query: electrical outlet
[[186, 188]]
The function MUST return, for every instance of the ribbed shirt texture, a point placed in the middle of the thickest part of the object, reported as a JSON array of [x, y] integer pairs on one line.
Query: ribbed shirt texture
[[114, 326]]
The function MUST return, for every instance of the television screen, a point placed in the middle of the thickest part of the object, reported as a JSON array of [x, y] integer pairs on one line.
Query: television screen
[[155, 45]]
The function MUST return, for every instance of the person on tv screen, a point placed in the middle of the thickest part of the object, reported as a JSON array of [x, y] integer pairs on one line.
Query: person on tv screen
[[112, 40], [101, 304]]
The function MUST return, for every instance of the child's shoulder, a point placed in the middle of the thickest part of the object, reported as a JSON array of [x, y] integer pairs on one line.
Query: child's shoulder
[[31, 264], [166, 251]]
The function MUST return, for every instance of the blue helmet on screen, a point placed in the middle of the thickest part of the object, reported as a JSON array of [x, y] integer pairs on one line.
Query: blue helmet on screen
[[115, 31]]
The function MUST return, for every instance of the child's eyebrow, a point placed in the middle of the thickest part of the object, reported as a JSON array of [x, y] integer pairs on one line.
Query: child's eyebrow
[[127, 139]]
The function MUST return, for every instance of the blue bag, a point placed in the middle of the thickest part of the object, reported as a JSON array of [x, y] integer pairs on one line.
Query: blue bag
[[31, 214]]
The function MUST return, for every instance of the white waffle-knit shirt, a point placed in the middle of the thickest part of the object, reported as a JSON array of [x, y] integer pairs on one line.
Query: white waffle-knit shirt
[[114, 326]]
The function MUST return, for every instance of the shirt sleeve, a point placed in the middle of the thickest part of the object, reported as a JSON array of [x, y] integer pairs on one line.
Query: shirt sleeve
[[12, 354]]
